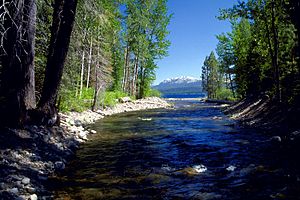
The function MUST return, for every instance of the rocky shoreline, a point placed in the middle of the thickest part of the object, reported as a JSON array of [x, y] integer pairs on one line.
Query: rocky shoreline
[[262, 113], [29, 156]]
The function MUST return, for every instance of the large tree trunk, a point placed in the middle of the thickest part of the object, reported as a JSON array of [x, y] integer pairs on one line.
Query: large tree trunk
[[273, 50], [63, 20], [17, 60], [295, 10], [275, 57]]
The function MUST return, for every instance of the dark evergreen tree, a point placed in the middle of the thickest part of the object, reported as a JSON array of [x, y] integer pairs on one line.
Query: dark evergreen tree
[[17, 88], [63, 20]]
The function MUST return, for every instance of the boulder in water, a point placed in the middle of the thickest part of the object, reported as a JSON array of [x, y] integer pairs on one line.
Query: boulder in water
[[276, 139], [231, 168]]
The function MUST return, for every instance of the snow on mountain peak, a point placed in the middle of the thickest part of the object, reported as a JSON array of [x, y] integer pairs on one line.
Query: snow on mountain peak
[[181, 79]]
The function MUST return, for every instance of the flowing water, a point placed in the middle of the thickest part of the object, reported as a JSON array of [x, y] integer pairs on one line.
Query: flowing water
[[191, 152]]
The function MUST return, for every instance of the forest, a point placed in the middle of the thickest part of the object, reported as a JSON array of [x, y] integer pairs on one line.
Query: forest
[[65, 55], [260, 56], [79, 118]]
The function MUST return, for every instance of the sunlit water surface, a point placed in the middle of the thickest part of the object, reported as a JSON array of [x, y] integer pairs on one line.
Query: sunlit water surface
[[191, 152]]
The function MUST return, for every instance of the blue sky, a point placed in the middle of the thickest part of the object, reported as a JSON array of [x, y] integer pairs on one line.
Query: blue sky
[[193, 31]]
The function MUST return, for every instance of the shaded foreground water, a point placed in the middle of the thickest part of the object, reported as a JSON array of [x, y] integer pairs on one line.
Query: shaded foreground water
[[191, 152]]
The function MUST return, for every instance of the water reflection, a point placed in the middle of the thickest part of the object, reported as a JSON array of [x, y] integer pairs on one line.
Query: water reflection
[[191, 152]]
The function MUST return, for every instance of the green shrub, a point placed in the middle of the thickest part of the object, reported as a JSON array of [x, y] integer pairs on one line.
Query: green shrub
[[225, 94], [110, 98], [69, 102], [153, 93]]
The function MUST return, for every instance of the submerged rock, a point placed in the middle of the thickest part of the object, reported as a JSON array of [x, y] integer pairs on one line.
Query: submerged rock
[[276, 139], [192, 171], [294, 136], [231, 168], [59, 165], [200, 168]]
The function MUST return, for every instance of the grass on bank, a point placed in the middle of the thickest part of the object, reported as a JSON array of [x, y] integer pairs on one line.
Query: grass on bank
[[69, 101]]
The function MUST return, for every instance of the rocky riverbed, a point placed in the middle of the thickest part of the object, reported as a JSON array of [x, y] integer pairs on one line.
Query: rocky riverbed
[[29, 156]]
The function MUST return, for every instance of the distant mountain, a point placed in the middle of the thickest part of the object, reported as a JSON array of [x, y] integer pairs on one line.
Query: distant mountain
[[180, 85]]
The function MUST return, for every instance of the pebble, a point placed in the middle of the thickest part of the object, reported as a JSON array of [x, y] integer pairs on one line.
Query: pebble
[[59, 165], [77, 123], [82, 135], [2, 186], [14, 190], [33, 197], [30, 189], [43, 178], [26, 181]]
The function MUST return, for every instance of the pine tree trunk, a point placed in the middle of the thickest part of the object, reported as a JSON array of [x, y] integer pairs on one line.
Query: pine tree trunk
[[134, 77], [97, 88], [142, 85], [272, 51], [136, 73], [17, 78], [63, 20], [126, 70], [231, 85], [81, 73], [89, 64], [275, 56]]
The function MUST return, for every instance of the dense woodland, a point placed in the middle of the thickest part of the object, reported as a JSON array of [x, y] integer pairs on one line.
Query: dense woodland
[[260, 56], [72, 55]]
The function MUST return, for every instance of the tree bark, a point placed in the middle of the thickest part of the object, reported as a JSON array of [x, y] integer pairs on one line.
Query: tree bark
[[62, 25], [126, 71], [89, 64], [231, 85], [81, 73], [142, 84], [294, 12], [97, 88], [134, 76], [17, 60], [275, 57], [135, 85], [273, 51]]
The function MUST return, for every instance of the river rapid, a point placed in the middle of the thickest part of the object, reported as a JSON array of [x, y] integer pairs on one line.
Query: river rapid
[[192, 151]]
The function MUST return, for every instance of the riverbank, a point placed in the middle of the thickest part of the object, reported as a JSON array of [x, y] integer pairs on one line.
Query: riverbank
[[265, 114], [30, 156]]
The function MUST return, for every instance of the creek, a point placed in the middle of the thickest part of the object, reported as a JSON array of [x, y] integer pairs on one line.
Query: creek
[[193, 151]]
